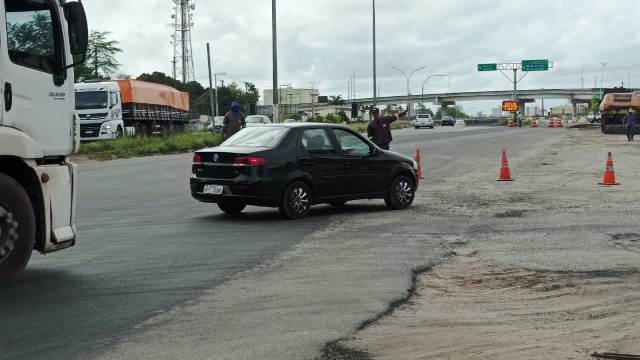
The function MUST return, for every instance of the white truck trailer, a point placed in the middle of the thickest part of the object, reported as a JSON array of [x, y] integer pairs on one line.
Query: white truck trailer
[[40, 42]]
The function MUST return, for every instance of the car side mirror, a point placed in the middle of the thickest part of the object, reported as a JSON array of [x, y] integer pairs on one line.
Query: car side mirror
[[373, 151], [78, 30]]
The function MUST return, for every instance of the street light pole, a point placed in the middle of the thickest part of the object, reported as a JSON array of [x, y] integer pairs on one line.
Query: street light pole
[[602, 77], [408, 78], [424, 83], [274, 32], [629, 75]]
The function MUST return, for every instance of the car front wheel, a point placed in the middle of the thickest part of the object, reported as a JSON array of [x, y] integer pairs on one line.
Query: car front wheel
[[401, 193], [296, 201], [17, 227], [232, 208]]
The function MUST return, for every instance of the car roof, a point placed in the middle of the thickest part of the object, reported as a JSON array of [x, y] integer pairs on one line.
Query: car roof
[[305, 125]]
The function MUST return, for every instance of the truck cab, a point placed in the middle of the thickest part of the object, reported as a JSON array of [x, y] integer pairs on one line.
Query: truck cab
[[42, 42], [99, 107]]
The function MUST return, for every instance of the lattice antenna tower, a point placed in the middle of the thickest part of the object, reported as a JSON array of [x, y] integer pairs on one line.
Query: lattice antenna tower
[[182, 23]]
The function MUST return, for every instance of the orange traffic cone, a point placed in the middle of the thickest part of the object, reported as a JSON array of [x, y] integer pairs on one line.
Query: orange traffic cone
[[609, 174], [511, 123], [505, 173], [534, 122], [559, 123], [551, 122], [419, 161]]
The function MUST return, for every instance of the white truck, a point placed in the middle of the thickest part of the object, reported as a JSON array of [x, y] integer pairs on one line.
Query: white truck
[[99, 107], [38, 127]]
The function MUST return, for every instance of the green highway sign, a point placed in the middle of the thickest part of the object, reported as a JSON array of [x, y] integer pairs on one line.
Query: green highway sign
[[535, 65], [487, 67]]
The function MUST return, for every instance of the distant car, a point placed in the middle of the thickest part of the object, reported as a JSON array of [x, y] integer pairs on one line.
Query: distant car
[[460, 122], [294, 166], [424, 120], [216, 125], [593, 118], [448, 121], [289, 121], [254, 120]]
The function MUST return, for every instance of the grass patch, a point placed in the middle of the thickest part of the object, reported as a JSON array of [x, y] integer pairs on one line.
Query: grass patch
[[145, 146]]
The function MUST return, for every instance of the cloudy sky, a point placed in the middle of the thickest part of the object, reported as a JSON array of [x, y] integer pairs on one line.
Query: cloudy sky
[[326, 40]]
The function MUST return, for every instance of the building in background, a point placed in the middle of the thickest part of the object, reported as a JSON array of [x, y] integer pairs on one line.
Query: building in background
[[291, 96]]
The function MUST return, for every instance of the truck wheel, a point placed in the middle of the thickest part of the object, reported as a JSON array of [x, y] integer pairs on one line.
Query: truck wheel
[[17, 227], [119, 133]]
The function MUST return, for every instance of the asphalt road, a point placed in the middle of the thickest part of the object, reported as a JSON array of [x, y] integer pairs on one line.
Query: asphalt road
[[146, 247]]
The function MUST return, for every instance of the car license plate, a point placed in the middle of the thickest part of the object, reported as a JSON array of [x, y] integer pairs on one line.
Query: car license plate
[[213, 189]]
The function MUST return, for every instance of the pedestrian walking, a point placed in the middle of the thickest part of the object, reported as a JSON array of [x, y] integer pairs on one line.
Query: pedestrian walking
[[379, 129], [630, 120], [234, 121]]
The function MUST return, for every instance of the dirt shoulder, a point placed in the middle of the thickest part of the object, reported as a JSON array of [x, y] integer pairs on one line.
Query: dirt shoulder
[[546, 267]]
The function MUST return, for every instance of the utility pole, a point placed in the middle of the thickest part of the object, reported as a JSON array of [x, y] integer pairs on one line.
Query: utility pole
[[313, 99], [375, 81], [353, 92], [211, 101], [217, 108], [274, 31]]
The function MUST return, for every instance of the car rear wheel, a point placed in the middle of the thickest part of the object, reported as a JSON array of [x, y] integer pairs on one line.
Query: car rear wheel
[[296, 201], [401, 193], [232, 208], [17, 227]]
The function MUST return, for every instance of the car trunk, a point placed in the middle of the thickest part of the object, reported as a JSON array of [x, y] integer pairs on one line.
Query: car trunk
[[220, 163]]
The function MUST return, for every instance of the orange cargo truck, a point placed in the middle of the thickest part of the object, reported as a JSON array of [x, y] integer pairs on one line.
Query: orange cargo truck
[[111, 109], [613, 108]]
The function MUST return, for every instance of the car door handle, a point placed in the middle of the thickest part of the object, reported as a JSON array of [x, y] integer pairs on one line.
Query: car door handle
[[8, 96]]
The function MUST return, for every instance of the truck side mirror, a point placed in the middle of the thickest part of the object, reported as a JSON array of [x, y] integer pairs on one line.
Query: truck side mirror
[[78, 29]]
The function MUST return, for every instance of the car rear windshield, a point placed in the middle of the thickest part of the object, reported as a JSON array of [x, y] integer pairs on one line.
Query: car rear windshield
[[254, 120], [262, 136]]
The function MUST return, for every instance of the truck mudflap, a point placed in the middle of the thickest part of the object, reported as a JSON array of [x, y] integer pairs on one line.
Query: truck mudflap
[[59, 191]]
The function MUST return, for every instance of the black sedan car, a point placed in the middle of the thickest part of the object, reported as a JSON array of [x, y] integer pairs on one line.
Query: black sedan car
[[294, 166]]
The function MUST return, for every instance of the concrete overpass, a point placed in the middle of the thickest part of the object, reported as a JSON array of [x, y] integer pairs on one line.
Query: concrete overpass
[[575, 96]]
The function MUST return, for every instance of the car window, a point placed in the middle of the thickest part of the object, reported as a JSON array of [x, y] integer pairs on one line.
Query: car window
[[351, 144], [317, 142]]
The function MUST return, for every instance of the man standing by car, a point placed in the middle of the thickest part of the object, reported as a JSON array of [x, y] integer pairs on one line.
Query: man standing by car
[[630, 120], [234, 121], [379, 129]]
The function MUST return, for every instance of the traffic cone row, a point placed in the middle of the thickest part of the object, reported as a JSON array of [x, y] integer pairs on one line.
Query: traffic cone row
[[551, 123], [559, 124], [609, 178]]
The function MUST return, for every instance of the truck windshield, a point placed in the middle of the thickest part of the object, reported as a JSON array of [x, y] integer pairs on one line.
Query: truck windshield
[[92, 100]]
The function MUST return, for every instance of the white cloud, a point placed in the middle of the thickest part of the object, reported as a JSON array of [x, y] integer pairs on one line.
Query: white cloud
[[325, 40]]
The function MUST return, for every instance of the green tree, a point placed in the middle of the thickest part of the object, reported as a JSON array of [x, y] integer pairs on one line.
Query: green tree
[[34, 36], [336, 100], [101, 61], [595, 104]]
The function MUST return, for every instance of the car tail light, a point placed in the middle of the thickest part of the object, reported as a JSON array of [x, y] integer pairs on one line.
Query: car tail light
[[250, 160], [197, 159]]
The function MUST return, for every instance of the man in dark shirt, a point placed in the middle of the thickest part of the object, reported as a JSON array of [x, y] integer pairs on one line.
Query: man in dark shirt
[[234, 121], [630, 120], [379, 129]]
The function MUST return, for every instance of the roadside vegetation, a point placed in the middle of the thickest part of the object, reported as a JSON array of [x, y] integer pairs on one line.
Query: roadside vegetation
[[144, 146]]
